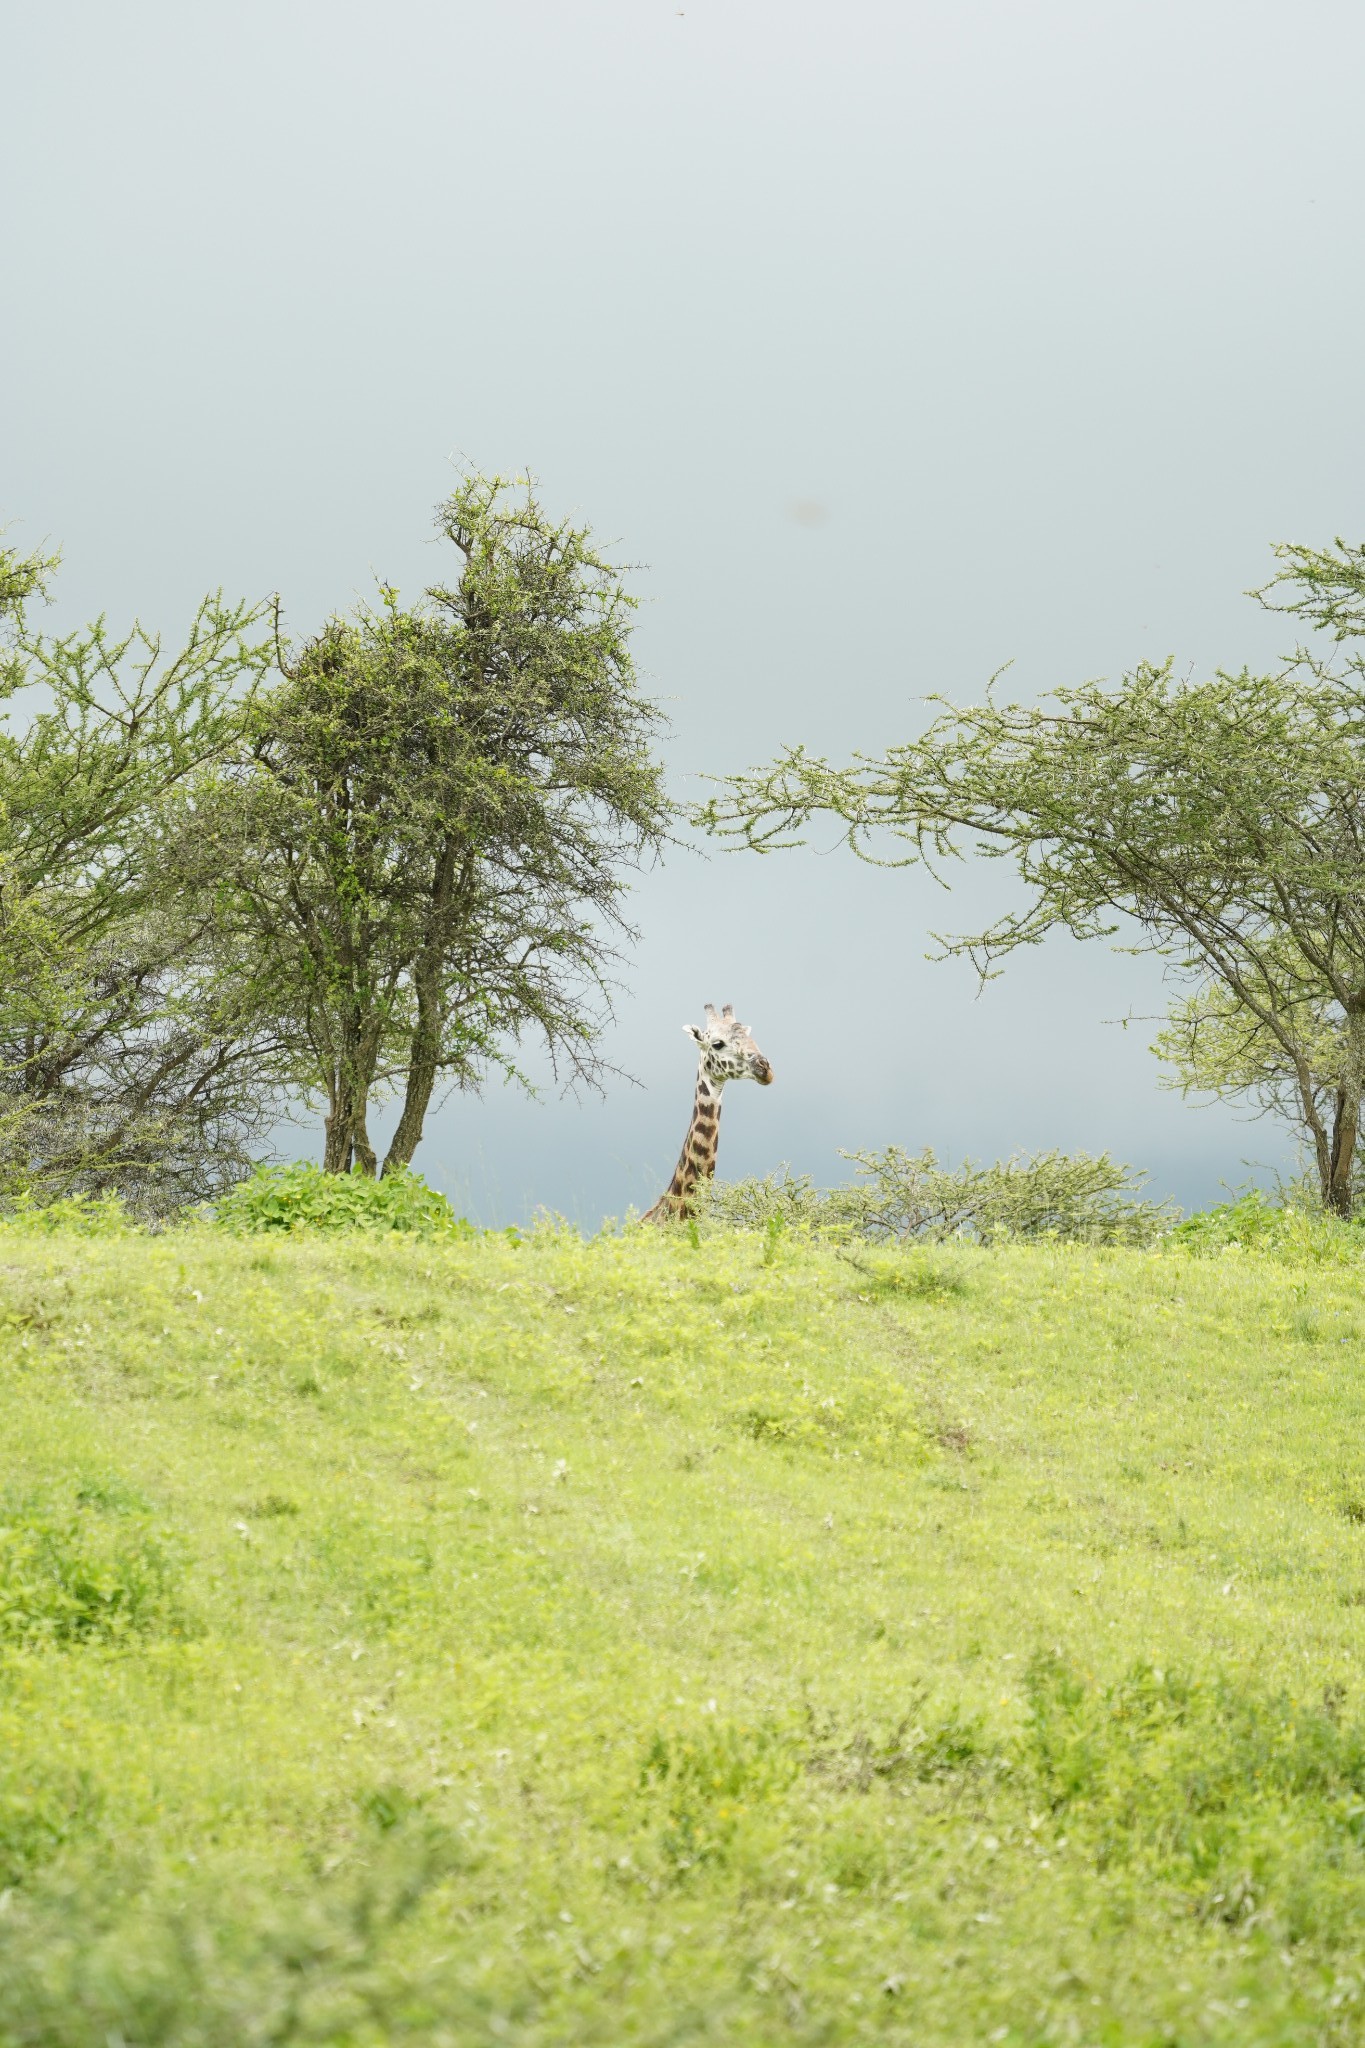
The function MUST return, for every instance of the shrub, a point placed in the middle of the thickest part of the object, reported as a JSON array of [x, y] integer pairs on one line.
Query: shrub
[[1249, 1221], [303, 1197], [81, 1215], [901, 1197], [1288, 1229], [72, 1576], [780, 1199], [1074, 1196]]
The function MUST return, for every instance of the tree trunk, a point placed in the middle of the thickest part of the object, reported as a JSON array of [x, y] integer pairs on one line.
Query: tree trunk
[[1322, 1143], [416, 1101], [426, 1047], [362, 1151], [449, 893], [347, 1148], [336, 1148], [1345, 1130]]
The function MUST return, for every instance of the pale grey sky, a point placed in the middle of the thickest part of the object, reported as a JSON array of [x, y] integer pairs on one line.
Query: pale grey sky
[[897, 340]]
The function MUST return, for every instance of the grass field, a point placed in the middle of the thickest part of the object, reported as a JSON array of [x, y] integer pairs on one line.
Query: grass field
[[651, 1642]]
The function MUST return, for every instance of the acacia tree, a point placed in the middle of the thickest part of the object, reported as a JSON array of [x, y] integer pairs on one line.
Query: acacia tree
[[132, 1055], [1226, 818], [426, 843]]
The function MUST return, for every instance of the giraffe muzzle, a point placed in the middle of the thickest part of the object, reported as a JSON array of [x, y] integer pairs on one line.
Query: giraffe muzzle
[[764, 1075]]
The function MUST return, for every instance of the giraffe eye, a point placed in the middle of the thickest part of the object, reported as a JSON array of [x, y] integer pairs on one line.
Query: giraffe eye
[[717, 1045]]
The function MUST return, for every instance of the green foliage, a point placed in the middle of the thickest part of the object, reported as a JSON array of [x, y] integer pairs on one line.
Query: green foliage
[[74, 1575], [303, 1197], [1191, 1779], [1071, 1196], [1223, 817], [21, 577], [134, 1054], [426, 842], [780, 1200], [864, 1419], [1214, 1046], [917, 1278], [71, 1215], [711, 1777], [277, 1970], [1285, 1229], [1251, 1222], [903, 1197], [40, 1813]]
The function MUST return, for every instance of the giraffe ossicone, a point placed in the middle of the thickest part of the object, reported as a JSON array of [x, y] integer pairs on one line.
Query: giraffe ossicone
[[726, 1052]]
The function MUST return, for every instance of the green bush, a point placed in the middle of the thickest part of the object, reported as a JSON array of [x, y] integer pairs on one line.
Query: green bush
[[303, 1197], [902, 1197], [1256, 1222], [74, 1575], [1069, 1196], [78, 1215], [778, 1200]]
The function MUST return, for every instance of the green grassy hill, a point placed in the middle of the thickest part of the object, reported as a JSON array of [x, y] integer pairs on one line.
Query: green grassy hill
[[635, 1642]]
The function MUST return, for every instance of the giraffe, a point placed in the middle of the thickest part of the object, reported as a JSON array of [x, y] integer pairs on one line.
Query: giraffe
[[728, 1053]]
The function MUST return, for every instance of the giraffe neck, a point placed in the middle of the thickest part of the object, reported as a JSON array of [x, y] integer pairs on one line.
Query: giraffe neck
[[697, 1160]]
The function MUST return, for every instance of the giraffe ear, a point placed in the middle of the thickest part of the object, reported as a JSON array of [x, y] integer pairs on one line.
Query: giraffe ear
[[693, 1033]]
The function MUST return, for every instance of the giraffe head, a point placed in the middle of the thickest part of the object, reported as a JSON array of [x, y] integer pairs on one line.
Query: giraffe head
[[728, 1053]]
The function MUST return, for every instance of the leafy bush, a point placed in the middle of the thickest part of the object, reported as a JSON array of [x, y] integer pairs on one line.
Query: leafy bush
[[75, 1576], [1073, 1196], [79, 1215], [303, 1197], [782, 1199], [1249, 1222], [902, 1197], [1287, 1229]]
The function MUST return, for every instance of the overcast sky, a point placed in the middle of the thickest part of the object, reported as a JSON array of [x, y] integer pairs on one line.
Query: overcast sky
[[895, 341]]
